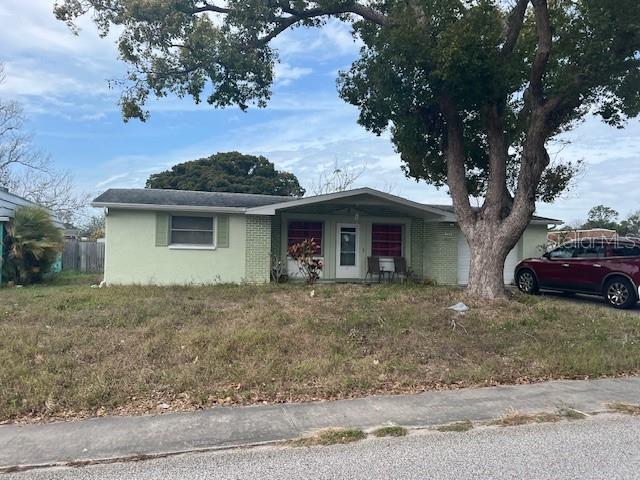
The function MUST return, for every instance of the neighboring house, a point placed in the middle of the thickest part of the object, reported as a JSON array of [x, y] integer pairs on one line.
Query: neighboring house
[[71, 232], [9, 203], [558, 237], [184, 237]]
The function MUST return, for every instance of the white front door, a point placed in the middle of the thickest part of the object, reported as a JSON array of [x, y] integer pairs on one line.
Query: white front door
[[347, 244]]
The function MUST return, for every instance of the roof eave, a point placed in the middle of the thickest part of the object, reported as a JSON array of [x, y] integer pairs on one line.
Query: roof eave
[[175, 208], [546, 221], [274, 208]]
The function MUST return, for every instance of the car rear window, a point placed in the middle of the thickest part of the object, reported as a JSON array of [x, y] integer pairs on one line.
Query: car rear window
[[589, 251], [625, 251]]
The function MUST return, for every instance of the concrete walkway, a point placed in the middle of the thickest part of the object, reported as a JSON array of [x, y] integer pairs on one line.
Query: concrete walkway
[[108, 438]]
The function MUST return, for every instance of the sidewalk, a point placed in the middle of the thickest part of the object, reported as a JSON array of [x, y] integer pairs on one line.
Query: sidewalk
[[107, 438]]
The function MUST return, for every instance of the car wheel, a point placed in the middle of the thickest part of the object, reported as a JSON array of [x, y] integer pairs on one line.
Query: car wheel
[[527, 282], [619, 293]]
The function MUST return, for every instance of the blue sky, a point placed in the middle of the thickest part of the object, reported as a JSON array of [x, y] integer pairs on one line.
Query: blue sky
[[62, 82]]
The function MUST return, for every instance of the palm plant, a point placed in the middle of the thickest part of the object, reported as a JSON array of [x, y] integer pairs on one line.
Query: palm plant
[[34, 245]]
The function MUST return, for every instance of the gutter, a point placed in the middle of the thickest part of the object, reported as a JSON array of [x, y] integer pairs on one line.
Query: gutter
[[175, 208]]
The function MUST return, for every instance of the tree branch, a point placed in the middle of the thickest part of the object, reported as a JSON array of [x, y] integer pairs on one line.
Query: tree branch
[[456, 174], [513, 27], [497, 197], [300, 15], [369, 14], [208, 7], [543, 28]]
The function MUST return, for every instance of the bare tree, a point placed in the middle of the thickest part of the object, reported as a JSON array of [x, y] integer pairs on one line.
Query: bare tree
[[93, 227], [336, 179], [27, 172], [15, 145], [50, 188]]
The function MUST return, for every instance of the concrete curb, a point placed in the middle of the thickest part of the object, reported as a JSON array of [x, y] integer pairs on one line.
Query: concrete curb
[[110, 439]]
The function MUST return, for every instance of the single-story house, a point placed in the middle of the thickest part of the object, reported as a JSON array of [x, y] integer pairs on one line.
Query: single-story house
[[185, 237], [9, 203]]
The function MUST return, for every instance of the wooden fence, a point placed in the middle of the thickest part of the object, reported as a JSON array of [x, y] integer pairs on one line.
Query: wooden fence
[[83, 256]]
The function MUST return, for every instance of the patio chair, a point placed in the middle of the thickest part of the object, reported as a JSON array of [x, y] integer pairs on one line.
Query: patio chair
[[373, 268], [400, 269]]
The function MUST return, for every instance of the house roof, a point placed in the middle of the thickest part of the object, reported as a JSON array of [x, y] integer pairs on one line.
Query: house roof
[[253, 204], [150, 198], [352, 194], [10, 202]]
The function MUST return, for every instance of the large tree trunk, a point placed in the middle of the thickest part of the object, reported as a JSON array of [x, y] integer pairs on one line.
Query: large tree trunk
[[490, 242], [486, 269]]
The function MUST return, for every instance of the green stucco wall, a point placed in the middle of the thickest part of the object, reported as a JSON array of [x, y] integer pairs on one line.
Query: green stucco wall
[[132, 257], [258, 249], [534, 237], [441, 252]]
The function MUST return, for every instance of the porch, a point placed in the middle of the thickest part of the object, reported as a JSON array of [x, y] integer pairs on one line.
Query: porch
[[350, 230]]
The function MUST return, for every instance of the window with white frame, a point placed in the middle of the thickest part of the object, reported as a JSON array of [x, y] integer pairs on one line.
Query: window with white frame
[[188, 230]]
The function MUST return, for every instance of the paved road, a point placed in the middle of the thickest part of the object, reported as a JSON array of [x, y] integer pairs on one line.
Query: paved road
[[602, 447]]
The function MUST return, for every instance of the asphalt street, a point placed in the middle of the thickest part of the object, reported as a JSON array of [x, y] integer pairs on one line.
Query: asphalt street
[[601, 447]]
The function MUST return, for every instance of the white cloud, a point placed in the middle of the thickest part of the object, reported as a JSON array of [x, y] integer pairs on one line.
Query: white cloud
[[331, 41], [285, 74], [35, 30], [28, 78]]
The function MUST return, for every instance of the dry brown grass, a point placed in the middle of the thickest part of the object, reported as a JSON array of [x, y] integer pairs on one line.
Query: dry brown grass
[[331, 436], [626, 408], [390, 431], [515, 418], [463, 426], [69, 350]]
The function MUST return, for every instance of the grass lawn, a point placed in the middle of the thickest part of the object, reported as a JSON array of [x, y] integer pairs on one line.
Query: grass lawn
[[68, 350]]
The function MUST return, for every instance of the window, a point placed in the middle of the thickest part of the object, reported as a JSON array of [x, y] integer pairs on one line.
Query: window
[[300, 231], [595, 250], [386, 240], [191, 230], [625, 250], [566, 251]]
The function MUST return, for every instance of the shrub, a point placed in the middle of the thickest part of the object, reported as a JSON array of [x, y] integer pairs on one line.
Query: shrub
[[303, 253], [34, 244]]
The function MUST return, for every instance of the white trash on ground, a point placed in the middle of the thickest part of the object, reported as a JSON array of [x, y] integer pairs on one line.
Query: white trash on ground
[[459, 307]]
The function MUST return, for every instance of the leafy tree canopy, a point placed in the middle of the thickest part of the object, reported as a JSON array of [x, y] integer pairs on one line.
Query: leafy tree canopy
[[228, 172], [631, 225], [418, 55], [601, 216]]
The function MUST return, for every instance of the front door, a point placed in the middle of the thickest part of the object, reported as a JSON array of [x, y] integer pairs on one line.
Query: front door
[[347, 265]]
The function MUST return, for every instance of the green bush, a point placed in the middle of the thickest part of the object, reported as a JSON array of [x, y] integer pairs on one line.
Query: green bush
[[34, 243]]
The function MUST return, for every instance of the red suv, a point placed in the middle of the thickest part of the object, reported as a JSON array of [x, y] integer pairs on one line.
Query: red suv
[[606, 267]]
